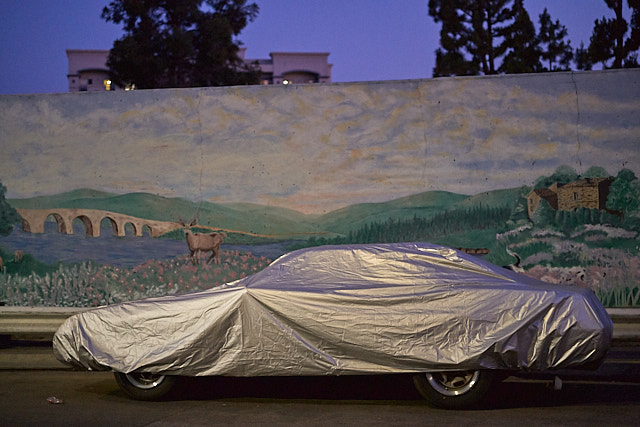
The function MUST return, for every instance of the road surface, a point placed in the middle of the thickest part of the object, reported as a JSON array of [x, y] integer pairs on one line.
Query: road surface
[[609, 396]]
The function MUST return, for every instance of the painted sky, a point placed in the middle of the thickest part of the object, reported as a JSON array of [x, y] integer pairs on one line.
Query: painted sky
[[367, 39], [315, 148]]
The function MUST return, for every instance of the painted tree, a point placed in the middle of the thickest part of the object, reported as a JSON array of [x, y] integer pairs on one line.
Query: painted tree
[[8, 215], [556, 51], [186, 43], [624, 193], [472, 37], [520, 214], [596, 172], [614, 42], [544, 216], [562, 175]]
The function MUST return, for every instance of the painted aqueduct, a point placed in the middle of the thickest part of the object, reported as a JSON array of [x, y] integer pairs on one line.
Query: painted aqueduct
[[33, 221]]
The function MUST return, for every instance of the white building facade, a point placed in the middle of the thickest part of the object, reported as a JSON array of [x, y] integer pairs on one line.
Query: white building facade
[[88, 71]]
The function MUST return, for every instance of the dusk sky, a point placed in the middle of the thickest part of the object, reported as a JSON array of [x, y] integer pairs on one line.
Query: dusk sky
[[367, 39]]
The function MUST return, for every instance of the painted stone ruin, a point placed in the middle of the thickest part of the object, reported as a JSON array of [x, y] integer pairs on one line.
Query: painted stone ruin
[[538, 171]]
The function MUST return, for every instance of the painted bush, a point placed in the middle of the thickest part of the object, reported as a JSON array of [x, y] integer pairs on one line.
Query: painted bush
[[90, 285]]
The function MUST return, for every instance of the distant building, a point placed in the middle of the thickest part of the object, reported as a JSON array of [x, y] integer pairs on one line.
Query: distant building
[[534, 198], [88, 71], [589, 193], [293, 67]]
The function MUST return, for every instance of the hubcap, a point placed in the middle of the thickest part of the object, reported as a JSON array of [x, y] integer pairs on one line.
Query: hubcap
[[145, 381], [453, 383]]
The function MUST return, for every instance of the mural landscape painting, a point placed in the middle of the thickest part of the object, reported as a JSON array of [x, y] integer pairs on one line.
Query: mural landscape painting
[[537, 172], [596, 248]]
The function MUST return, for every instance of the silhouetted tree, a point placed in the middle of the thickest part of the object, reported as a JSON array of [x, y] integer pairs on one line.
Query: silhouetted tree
[[472, 37], [454, 35], [555, 50], [523, 54], [185, 43], [8, 215], [582, 59], [608, 40]]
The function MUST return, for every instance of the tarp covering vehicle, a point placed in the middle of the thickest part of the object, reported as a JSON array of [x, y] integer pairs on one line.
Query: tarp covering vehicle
[[339, 310]]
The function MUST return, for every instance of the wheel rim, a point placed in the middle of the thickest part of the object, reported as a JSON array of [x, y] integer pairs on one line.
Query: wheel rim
[[453, 383], [145, 381]]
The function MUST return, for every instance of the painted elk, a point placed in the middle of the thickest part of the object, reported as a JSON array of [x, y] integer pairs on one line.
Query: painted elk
[[199, 242]]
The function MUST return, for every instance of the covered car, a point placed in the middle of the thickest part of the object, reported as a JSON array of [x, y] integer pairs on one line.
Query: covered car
[[449, 317]]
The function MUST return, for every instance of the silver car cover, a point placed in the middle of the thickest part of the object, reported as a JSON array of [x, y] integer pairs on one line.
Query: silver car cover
[[382, 308]]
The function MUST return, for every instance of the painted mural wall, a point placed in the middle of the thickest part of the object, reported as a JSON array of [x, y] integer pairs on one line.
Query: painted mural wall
[[534, 170]]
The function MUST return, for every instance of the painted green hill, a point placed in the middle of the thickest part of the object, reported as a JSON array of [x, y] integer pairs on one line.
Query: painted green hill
[[422, 205], [245, 217], [260, 219], [43, 202], [496, 198]]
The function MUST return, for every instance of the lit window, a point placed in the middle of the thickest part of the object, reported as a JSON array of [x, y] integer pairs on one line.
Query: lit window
[[107, 84]]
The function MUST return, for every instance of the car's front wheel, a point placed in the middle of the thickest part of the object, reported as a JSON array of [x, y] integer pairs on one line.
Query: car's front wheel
[[145, 386], [454, 389]]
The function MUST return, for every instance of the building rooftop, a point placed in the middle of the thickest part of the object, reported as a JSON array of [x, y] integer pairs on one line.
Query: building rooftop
[[88, 69]]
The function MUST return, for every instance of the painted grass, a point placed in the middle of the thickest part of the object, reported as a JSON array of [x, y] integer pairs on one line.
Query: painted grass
[[90, 285], [621, 297]]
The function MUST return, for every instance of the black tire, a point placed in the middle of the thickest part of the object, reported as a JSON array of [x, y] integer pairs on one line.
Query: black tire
[[455, 389], [144, 386]]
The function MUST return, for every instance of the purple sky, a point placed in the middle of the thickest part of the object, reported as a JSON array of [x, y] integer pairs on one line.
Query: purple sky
[[366, 39]]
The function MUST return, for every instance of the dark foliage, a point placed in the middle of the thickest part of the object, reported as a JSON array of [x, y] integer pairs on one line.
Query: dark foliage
[[582, 58], [523, 53], [8, 215], [186, 43], [624, 194], [421, 229], [497, 36], [562, 175], [472, 37], [614, 42], [556, 51]]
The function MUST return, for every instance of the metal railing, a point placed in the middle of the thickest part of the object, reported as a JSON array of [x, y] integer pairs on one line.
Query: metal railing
[[40, 323]]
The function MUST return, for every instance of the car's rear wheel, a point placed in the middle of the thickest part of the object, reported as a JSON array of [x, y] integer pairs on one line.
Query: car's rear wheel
[[454, 389], [145, 386]]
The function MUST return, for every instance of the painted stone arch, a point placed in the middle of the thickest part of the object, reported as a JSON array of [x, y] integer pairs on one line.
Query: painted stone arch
[[60, 222], [88, 225], [26, 227], [136, 229], [114, 225], [146, 229]]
